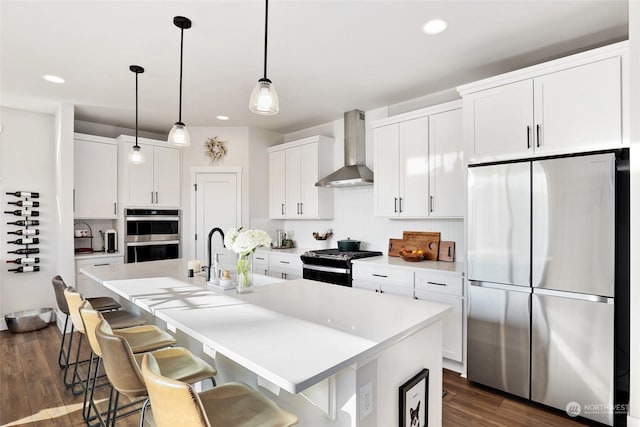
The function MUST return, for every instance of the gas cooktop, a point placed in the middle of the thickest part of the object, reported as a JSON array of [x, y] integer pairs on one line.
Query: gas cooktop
[[337, 254]]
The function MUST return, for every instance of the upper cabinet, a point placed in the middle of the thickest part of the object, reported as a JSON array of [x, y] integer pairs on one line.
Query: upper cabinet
[[95, 177], [294, 168], [155, 183], [418, 163], [569, 105]]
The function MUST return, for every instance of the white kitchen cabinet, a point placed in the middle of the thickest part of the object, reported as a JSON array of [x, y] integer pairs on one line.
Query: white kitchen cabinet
[[95, 177], [285, 266], [261, 263], [277, 184], [447, 174], [155, 183], [381, 279], [86, 285], [418, 170], [294, 168], [570, 105], [446, 289]]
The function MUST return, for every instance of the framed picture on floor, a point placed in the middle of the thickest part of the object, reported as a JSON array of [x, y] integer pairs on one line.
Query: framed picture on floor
[[414, 400]]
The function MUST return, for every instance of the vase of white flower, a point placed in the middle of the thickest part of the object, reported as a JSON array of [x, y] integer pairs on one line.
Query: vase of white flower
[[244, 243]]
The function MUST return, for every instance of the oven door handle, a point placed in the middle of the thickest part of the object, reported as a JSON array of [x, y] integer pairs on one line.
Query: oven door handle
[[164, 242], [153, 218], [327, 269]]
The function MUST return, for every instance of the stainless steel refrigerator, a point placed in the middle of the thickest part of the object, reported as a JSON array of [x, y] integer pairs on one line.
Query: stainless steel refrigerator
[[542, 280]]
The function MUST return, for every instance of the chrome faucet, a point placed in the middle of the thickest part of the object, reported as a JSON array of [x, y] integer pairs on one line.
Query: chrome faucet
[[216, 265]]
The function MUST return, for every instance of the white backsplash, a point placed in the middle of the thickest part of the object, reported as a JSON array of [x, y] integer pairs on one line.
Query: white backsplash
[[97, 226], [354, 218]]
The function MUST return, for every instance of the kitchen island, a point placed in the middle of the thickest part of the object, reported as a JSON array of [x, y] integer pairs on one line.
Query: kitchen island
[[333, 355]]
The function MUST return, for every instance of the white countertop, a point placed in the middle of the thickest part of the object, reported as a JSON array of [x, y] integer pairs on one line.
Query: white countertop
[[97, 255], [323, 328], [456, 268], [292, 251]]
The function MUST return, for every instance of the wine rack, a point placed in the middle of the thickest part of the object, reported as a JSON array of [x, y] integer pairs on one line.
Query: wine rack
[[25, 238]]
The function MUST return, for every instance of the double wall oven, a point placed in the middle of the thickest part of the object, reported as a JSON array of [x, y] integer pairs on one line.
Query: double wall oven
[[151, 234]]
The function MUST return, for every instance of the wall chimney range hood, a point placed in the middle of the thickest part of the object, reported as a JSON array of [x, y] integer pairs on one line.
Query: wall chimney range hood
[[354, 173]]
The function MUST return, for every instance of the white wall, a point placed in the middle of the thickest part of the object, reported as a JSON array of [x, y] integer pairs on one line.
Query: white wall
[[634, 73], [27, 150]]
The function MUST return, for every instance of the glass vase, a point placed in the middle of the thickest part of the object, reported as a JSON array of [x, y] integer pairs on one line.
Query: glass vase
[[244, 270]]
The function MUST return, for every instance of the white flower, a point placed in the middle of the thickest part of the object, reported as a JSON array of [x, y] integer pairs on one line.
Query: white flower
[[245, 242]]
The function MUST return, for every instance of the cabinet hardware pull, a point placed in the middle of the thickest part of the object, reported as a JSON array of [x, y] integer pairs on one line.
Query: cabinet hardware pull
[[381, 291], [395, 205], [282, 209], [378, 275], [156, 197], [528, 136], [98, 265], [430, 203], [400, 204], [261, 259], [377, 290], [115, 209], [415, 297], [436, 283], [285, 262], [152, 197], [300, 208], [538, 129]]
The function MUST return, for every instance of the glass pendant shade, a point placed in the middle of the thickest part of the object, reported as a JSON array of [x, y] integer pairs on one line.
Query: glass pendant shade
[[264, 98], [179, 135], [136, 157]]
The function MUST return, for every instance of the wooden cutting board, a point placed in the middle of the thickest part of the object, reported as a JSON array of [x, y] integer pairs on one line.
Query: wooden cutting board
[[395, 245], [428, 241], [447, 251]]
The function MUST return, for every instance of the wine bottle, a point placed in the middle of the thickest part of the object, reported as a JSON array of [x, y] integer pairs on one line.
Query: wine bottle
[[25, 241], [25, 194], [25, 203], [24, 222], [25, 232], [25, 269], [25, 251], [23, 212], [35, 260]]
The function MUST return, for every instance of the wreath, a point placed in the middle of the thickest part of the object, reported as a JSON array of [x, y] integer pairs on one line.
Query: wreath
[[215, 149]]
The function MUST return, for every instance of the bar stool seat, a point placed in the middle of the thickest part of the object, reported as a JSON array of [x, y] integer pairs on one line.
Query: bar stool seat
[[144, 338], [180, 363], [121, 319], [232, 404], [104, 303]]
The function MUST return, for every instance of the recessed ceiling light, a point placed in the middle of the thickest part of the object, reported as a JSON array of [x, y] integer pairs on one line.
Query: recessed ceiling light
[[222, 117], [53, 79], [434, 26]]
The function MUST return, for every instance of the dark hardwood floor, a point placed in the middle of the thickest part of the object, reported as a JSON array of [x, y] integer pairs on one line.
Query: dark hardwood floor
[[32, 393]]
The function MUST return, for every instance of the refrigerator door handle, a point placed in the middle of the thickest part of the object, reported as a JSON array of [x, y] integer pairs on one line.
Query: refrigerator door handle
[[572, 295], [511, 288]]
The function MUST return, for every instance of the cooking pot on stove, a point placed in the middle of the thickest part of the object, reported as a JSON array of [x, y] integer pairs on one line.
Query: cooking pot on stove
[[348, 245]]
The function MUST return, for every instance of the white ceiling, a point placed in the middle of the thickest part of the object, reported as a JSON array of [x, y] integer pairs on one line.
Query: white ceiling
[[325, 57]]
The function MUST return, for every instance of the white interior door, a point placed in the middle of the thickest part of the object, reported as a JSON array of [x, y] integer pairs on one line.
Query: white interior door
[[217, 205]]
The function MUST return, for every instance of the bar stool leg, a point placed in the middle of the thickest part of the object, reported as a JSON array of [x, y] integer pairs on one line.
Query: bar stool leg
[[62, 354]]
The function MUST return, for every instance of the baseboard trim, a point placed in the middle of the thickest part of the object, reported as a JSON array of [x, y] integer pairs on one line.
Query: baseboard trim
[[633, 422]]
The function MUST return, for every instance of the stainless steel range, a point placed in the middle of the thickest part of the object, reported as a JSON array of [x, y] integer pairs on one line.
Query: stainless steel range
[[331, 265]]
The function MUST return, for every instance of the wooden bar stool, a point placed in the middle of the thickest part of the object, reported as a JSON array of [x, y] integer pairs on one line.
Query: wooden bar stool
[[123, 369], [233, 404], [119, 319], [100, 304]]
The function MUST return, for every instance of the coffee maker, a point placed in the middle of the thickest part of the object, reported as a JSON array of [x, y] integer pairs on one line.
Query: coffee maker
[[110, 241]]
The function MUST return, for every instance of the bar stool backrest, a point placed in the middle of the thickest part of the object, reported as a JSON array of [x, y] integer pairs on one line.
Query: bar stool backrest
[[119, 362], [75, 301], [173, 402], [58, 287], [90, 319]]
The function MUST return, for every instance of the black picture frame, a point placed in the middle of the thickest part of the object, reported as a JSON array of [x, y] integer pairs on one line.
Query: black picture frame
[[414, 401]]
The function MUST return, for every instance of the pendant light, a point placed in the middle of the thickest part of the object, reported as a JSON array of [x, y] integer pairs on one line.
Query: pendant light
[[179, 135], [136, 157], [264, 98]]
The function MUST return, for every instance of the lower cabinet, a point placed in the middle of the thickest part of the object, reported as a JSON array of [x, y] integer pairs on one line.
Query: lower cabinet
[[87, 286], [421, 284], [285, 266], [261, 263]]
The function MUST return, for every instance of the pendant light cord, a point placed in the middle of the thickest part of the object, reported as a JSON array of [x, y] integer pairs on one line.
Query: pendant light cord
[[266, 23], [136, 109], [181, 47]]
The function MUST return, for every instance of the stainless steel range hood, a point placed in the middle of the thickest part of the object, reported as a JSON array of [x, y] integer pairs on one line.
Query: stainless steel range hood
[[354, 172]]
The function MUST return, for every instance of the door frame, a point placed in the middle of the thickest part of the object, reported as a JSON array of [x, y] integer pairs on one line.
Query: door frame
[[194, 171]]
